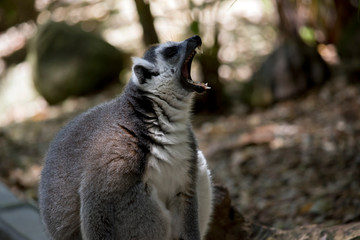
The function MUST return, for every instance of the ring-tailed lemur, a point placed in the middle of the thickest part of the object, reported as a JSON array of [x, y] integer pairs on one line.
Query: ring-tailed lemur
[[131, 168]]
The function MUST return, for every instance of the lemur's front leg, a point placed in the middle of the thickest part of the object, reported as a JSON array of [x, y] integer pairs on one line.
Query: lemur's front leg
[[185, 220], [196, 204], [190, 220]]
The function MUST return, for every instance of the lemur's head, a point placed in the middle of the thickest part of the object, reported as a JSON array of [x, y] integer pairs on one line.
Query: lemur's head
[[167, 67]]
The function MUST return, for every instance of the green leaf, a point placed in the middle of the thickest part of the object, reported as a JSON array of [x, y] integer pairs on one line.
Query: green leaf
[[308, 35]]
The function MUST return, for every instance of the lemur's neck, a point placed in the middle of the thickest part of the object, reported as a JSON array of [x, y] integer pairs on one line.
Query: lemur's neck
[[166, 115], [172, 116], [171, 107]]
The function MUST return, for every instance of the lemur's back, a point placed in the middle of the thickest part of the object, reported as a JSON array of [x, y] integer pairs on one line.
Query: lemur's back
[[59, 204], [69, 154], [64, 161], [130, 168]]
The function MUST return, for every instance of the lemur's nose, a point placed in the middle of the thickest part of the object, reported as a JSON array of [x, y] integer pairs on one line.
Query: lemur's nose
[[196, 40]]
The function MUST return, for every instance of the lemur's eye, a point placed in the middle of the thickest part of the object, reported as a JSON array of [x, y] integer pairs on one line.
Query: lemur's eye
[[170, 51]]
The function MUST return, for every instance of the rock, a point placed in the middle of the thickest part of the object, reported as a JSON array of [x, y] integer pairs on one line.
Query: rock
[[289, 71], [67, 62]]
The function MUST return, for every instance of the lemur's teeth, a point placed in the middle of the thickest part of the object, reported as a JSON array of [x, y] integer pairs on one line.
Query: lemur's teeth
[[198, 50]]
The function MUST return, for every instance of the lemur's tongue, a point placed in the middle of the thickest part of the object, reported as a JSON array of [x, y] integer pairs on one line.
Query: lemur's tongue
[[186, 73]]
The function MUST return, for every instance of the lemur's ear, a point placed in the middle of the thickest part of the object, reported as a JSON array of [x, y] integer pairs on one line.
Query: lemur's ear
[[143, 70]]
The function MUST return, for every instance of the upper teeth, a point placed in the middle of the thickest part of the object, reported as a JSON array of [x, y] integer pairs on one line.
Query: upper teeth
[[198, 50]]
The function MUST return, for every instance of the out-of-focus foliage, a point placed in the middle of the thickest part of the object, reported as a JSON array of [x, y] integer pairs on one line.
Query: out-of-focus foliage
[[295, 65], [237, 35], [13, 12], [308, 26], [215, 21]]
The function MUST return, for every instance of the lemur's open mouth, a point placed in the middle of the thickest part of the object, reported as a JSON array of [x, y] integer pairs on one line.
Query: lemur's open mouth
[[186, 73]]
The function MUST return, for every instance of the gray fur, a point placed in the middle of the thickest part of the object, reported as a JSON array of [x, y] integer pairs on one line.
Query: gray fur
[[130, 168]]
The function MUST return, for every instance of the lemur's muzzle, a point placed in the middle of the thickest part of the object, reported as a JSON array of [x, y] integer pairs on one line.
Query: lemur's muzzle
[[193, 46]]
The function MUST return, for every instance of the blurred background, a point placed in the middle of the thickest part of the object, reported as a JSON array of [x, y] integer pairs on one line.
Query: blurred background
[[280, 126]]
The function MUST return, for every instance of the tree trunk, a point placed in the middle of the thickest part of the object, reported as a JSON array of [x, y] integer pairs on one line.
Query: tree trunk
[[147, 22], [214, 100], [345, 13]]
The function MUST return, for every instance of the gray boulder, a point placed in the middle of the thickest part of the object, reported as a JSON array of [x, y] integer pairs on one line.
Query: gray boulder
[[67, 62], [290, 70]]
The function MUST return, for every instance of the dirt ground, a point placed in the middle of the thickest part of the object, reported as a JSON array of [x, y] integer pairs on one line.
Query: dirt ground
[[296, 163], [293, 164]]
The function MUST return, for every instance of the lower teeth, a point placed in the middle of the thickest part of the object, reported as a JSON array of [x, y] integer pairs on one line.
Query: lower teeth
[[204, 85]]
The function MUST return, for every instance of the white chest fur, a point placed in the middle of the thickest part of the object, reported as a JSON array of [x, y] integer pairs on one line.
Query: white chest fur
[[168, 167], [169, 158]]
